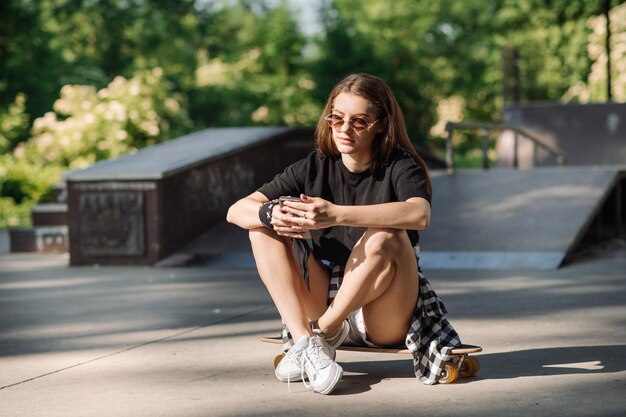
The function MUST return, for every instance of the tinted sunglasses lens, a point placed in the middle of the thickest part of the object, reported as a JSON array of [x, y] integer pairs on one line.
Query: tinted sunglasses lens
[[358, 123], [335, 121]]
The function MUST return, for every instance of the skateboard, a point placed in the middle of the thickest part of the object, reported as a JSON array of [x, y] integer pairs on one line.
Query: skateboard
[[459, 365]]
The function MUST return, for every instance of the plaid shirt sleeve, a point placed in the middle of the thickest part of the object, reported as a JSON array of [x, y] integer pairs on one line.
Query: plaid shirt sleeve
[[430, 337]]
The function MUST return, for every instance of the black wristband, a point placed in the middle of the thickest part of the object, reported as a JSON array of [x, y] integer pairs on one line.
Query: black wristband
[[265, 213]]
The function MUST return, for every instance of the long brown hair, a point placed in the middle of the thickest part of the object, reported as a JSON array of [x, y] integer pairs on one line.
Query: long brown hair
[[388, 143]]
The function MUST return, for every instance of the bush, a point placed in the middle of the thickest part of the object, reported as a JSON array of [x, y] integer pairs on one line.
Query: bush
[[14, 124], [87, 126], [22, 185], [23, 181], [12, 214]]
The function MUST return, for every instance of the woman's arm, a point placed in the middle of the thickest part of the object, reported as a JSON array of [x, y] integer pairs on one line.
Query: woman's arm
[[317, 213], [413, 214], [245, 212]]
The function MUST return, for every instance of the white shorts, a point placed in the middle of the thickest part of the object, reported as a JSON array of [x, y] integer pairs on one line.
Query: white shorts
[[357, 335]]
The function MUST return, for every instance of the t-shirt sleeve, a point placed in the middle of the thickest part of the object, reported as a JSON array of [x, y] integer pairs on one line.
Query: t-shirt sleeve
[[410, 180], [289, 182]]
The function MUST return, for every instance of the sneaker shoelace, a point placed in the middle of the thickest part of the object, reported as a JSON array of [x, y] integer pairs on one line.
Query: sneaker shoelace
[[311, 359], [304, 375], [297, 358]]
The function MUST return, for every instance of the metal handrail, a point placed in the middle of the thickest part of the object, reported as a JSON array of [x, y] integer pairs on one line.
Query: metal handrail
[[485, 128]]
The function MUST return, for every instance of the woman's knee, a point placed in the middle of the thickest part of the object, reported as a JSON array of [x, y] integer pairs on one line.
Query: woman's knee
[[384, 242], [259, 233], [268, 246], [265, 242], [262, 235]]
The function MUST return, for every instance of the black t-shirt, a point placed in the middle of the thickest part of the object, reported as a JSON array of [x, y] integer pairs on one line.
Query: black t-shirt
[[328, 178]]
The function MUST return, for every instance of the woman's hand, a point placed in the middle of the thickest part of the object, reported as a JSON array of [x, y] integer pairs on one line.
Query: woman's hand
[[295, 218], [288, 224], [310, 213]]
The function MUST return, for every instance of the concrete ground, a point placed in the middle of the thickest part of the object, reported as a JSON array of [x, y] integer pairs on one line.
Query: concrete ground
[[138, 341]]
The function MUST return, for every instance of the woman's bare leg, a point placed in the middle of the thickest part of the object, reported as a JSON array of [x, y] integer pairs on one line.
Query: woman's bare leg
[[281, 275], [381, 276]]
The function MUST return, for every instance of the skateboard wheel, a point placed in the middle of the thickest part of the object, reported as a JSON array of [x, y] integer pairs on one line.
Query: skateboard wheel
[[277, 359], [450, 373], [470, 367]]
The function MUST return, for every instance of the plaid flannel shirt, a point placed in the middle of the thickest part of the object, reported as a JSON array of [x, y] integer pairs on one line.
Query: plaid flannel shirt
[[430, 337]]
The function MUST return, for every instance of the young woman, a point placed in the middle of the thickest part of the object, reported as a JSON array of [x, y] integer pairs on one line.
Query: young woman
[[360, 199]]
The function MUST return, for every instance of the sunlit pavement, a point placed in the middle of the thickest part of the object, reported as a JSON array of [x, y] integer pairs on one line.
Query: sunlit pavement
[[137, 341]]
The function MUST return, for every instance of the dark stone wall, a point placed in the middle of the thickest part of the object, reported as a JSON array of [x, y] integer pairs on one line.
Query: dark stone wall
[[125, 222], [205, 193], [114, 222]]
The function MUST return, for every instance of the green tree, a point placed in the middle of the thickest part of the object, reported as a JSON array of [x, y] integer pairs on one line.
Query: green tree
[[29, 66], [14, 124], [243, 62], [552, 37], [50, 43], [266, 82], [594, 88], [390, 39]]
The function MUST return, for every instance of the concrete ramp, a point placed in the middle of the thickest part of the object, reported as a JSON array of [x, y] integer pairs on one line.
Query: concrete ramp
[[589, 134], [504, 219]]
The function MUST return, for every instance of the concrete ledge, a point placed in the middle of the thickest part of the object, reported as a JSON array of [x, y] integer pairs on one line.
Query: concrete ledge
[[140, 208], [169, 158], [49, 214], [39, 239]]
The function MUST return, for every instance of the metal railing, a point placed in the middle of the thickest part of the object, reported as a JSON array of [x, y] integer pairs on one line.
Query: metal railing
[[485, 129]]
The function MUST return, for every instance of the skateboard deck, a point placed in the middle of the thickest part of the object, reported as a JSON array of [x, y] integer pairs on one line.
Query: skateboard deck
[[460, 363]]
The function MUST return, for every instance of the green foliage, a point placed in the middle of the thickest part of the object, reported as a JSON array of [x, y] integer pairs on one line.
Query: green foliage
[[14, 124], [100, 78], [23, 181], [386, 38], [89, 125], [266, 82], [28, 64], [551, 41], [426, 50], [12, 214], [434, 51], [594, 87], [22, 184]]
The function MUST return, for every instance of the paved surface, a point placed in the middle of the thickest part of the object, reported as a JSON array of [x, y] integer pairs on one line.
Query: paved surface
[[137, 341]]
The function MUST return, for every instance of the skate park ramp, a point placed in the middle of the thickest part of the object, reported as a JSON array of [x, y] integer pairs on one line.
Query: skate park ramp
[[496, 219], [589, 134], [533, 219]]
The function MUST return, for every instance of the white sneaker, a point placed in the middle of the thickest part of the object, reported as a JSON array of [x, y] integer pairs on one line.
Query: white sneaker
[[290, 368], [317, 360], [339, 337]]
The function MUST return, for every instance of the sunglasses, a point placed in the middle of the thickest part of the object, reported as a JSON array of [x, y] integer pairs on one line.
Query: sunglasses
[[356, 123]]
